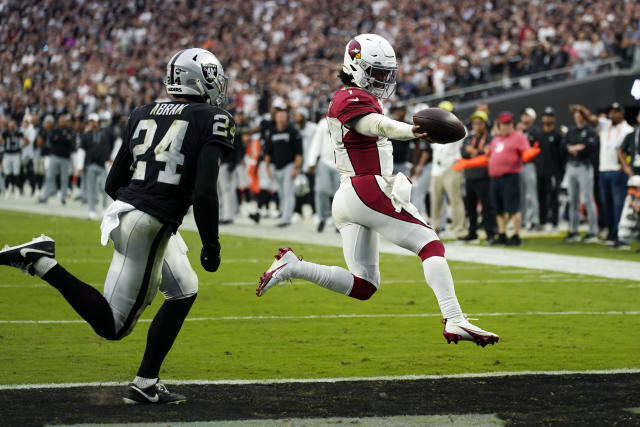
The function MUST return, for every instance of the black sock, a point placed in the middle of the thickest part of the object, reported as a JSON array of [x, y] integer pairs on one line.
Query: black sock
[[162, 333], [85, 300]]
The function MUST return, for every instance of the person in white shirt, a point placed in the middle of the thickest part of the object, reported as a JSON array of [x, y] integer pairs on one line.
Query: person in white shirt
[[612, 180], [320, 161], [446, 180]]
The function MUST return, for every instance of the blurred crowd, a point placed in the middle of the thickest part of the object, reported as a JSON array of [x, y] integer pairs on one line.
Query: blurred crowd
[[82, 56]]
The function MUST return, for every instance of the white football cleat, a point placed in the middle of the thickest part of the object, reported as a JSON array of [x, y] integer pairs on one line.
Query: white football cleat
[[465, 331], [279, 271]]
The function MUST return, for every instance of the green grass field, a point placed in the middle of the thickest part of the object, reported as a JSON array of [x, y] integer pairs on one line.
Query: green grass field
[[228, 345]]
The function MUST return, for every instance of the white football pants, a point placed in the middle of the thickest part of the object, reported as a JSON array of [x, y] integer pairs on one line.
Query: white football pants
[[146, 258]]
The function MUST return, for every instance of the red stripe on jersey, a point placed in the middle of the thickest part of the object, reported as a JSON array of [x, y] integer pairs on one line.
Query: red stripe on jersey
[[363, 153], [369, 192]]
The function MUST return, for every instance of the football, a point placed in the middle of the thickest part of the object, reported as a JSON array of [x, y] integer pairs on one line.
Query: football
[[441, 126]]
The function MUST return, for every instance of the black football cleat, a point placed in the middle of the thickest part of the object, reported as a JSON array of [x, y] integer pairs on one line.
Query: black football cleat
[[156, 393], [23, 256]]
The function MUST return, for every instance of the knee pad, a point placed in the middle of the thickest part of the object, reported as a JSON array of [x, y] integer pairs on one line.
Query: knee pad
[[362, 289]]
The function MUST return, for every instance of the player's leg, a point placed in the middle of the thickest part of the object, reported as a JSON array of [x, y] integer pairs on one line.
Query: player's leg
[[179, 286], [65, 173], [50, 178], [408, 230], [589, 203], [360, 247]]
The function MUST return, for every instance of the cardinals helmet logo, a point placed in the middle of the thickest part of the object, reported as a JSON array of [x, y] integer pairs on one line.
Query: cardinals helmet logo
[[354, 49]]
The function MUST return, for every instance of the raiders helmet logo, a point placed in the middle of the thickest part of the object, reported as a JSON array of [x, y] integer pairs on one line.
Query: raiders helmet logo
[[354, 49], [210, 72]]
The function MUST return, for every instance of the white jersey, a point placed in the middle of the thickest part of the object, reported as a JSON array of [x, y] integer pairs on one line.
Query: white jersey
[[357, 154]]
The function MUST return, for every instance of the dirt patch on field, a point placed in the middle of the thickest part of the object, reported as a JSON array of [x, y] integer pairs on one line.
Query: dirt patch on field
[[517, 400]]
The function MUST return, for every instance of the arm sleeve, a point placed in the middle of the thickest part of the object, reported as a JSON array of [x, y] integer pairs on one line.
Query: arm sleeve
[[374, 124], [120, 173], [205, 197]]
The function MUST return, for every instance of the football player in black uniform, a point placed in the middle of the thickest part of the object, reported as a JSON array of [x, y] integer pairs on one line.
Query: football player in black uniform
[[169, 160]]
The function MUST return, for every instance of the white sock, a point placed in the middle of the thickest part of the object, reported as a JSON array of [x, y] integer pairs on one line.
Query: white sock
[[438, 276], [43, 265], [141, 382], [331, 277]]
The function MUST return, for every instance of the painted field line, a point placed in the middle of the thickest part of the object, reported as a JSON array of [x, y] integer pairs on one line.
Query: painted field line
[[354, 316], [418, 281], [332, 380]]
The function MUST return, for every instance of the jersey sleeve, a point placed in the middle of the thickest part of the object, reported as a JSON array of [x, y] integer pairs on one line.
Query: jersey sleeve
[[348, 104], [220, 128]]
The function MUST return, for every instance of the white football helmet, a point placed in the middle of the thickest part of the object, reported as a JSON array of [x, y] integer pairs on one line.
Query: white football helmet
[[301, 185], [370, 60], [197, 72]]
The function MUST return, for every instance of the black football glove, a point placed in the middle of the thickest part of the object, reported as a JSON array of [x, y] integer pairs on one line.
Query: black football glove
[[210, 257]]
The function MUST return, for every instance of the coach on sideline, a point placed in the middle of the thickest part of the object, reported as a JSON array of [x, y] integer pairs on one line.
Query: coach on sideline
[[283, 147]]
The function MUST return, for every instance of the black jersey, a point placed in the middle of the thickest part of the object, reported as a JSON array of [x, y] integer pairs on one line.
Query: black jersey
[[12, 142], [164, 140]]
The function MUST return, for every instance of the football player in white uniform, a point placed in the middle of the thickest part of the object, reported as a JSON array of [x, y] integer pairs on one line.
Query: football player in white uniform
[[371, 200]]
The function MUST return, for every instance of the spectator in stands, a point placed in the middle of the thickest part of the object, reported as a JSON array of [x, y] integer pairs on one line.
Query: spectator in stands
[[477, 184], [528, 178], [445, 47], [283, 148], [62, 142], [613, 181], [549, 168], [446, 180], [505, 164], [581, 143]]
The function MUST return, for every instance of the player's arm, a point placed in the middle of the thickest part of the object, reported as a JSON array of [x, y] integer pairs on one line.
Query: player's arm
[[121, 172], [374, 124], [205, 204]]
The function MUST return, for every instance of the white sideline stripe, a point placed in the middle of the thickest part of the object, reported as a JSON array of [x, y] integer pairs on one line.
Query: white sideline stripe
[[334, 380], [354, 316]]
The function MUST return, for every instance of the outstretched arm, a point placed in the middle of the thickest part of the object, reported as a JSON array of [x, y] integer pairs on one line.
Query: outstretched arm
[[374, 124]]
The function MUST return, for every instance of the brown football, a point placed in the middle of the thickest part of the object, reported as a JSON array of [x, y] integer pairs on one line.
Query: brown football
[[441, 126]]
